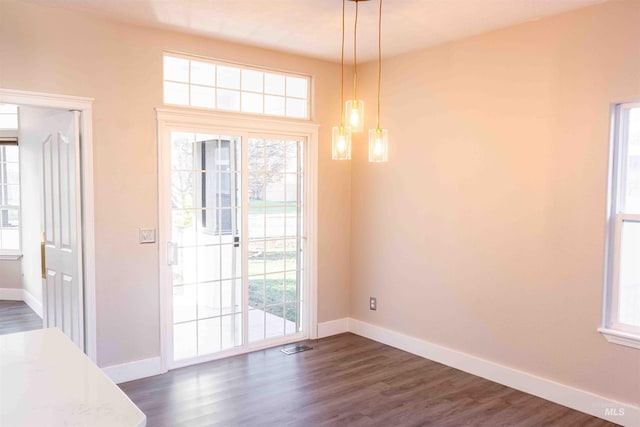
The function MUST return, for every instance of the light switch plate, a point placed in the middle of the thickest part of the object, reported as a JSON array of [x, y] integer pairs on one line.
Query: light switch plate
[[147, 235]]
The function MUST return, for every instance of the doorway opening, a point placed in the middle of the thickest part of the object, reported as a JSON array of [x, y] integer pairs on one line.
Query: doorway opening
[[237, 207], [46, 216]]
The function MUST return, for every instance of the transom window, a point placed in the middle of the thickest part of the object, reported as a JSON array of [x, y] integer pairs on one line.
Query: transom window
[[623, 266], [222, 86]]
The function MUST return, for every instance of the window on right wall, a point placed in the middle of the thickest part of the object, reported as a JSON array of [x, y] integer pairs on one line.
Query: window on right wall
[[622, 308]]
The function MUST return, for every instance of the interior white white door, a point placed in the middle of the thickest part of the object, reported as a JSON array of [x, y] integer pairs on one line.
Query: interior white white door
[[62, 293]]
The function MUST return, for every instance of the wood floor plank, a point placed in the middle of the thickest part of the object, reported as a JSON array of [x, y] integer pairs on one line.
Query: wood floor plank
[[16, 316], [346, 380]]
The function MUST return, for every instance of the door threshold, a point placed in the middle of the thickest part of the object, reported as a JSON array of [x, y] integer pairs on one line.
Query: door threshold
[[237, 351]]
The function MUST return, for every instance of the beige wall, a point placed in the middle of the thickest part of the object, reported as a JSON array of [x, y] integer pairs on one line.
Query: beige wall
[[53, 50], [10, 274], [485, 232]]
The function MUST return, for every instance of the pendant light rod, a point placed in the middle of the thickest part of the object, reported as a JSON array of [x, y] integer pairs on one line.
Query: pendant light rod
[[355, 54], [379, 61], [342, 71]]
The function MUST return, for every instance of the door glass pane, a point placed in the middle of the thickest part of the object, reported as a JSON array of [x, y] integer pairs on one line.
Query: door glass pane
[[184, 303], [275, 261], [209, 304], [183, 190], [185, 340], [274, 221], [274, 319], [256, 155], [209, 336], [629, 289], [183, 227], [256, 324], [206, 218], [292, 323]]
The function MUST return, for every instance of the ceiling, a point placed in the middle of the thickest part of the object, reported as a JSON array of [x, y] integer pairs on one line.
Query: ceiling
[[312, 27]]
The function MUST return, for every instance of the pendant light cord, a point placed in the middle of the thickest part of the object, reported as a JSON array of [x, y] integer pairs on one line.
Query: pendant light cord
[[379, 60], [355, 55], [342, 71]]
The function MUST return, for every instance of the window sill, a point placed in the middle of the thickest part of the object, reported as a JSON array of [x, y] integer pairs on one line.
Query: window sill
[[622, 338]]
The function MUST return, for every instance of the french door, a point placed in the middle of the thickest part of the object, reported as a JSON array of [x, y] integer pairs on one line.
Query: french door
[[236, 237]]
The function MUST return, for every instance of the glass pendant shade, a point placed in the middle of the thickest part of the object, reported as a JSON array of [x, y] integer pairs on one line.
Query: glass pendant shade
[[340, 143], [354, 115], [378, 145]]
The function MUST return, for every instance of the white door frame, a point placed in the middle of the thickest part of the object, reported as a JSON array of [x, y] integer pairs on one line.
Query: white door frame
[[86, 226], [232, 122]]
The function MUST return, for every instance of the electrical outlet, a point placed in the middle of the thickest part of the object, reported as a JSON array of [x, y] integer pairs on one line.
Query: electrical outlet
[[146, 235], [373, 303]]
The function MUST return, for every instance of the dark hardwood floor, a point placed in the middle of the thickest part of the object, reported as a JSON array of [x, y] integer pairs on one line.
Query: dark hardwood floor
[[346, 380], [16, 316]]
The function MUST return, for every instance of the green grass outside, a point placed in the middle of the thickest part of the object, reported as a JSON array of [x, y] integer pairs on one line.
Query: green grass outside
[[257, 206], [274, 290]]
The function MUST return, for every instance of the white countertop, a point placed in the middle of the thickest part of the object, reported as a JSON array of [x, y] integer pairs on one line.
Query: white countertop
[[45, 380]]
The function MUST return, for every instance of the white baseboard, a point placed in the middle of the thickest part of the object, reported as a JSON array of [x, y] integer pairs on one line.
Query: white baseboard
[[32, 302], [11, 294], [580, 400], [333, 327], [22, 295], [134, 370]]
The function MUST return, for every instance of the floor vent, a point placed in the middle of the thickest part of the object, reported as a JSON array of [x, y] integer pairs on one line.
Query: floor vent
[[298, 348]]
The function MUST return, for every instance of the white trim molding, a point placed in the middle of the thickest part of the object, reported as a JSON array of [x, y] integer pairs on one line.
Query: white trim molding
[[333, 327], [11, 294], [580, 400], [32, 302], [614, 329], [87, 225], [134, 370], [244, 125], [620, 337]]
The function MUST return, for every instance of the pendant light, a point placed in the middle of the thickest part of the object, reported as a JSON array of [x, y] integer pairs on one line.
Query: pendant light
[[355, 106], [378, 137], [341, 135]]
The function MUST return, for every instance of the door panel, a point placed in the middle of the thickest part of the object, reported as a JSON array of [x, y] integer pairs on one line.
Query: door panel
[[63, 301], [275, 237], [234, 287], [206, 226]]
